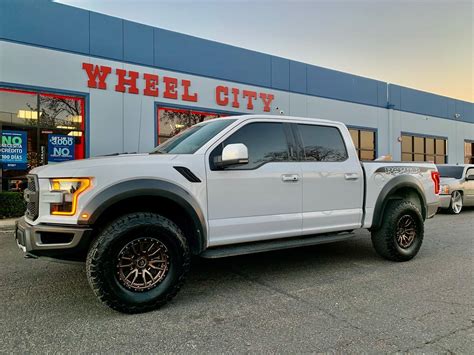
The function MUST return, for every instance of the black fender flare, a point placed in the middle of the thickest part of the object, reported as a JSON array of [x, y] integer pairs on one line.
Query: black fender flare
[[396, 183], [148, 187]]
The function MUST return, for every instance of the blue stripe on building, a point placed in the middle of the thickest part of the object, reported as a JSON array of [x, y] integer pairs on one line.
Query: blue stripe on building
[[61, 27]]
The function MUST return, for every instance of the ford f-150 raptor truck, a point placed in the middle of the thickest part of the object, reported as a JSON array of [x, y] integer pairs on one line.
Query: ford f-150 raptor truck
[[223, 187]]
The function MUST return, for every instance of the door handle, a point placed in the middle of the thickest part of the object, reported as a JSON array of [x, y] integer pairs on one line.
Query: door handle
[[290, 177], [351, 176]]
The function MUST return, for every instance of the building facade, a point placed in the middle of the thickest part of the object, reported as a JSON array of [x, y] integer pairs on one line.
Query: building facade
[[77, 84]]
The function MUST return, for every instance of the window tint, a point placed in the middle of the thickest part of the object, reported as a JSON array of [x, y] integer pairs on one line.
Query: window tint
[[364, 142], [419, 148], [265, 141], [322, 143]]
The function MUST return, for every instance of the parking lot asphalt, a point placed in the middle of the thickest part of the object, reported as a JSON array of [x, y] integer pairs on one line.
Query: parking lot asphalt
[[332, 298]]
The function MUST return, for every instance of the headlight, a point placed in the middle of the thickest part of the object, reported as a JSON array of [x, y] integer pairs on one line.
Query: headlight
[[444, 189], [70, 189]]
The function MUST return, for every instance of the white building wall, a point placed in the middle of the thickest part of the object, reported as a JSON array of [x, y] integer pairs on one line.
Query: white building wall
[[123, 122]]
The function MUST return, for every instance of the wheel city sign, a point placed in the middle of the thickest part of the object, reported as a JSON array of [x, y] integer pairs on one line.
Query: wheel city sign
[[172, 88]]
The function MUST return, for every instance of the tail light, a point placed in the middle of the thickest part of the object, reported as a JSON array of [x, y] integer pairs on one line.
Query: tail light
[[435, 177]]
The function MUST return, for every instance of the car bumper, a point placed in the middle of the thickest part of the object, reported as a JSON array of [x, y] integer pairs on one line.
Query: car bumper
[[444, 201], [61, 242]]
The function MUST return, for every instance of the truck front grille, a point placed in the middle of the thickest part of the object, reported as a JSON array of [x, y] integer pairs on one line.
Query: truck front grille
[[31, 195]]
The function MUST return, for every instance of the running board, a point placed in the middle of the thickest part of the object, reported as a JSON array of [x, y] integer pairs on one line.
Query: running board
[[274, 244]]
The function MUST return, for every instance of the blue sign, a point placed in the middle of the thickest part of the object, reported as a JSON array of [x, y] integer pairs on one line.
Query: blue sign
[[13, 150], [60, 148]]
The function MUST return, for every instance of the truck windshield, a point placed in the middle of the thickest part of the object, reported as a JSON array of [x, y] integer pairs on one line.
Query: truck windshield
[[193, 138], [450, 171]]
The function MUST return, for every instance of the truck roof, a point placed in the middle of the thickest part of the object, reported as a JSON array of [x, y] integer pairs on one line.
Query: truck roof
[[282, 117]]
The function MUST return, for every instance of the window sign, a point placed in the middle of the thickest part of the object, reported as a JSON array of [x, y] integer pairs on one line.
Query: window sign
[[13, 149], [60, 148]]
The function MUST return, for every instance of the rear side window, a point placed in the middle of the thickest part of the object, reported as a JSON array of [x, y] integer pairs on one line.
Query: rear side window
[[322, 143], [265, 141]]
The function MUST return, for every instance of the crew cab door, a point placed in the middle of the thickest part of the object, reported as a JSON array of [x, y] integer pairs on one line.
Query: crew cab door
[[333, 181], [260, 199]]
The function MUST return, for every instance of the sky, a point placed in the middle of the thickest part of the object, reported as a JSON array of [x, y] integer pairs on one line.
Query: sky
[[422, 44]]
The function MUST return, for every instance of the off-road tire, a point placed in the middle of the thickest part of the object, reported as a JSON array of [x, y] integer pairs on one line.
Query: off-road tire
[[101, 263], [384, 238]]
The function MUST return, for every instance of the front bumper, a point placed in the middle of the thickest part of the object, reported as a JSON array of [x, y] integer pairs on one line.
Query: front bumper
[[444, 201], [55, 241]]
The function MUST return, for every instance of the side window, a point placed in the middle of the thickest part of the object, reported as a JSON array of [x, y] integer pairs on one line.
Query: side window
[[265, 141], [470, 172], [322, 143]]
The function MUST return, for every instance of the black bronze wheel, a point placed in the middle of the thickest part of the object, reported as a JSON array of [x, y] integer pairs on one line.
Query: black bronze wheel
[[142, 264], [406, 231], [138, 263], [400, 236]]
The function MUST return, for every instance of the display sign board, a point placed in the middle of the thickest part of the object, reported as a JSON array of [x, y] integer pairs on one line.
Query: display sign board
[[13, 150], [60, 148]]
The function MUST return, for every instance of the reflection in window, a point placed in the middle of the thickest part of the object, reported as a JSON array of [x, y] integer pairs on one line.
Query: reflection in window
[[266, 142], [172, 121], [364, 142], [40, 115], [322, 143], [420, 148]]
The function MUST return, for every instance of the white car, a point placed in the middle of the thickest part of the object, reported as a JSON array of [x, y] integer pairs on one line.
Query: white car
[[457, 187], [223, 187]]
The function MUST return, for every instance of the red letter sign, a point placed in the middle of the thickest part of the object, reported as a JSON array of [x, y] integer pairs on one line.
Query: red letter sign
[[131, 81], [221, 95], [186, 97], [170, 88], [95, 72], [235, 95], [252, 95], [151, 81], [267, 100]]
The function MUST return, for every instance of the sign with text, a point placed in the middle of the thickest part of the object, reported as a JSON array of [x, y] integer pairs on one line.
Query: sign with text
[[60, 148], [170, 87], [13, 150]]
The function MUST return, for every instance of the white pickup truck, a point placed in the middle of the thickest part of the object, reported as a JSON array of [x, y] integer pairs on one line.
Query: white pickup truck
[[223, 187]]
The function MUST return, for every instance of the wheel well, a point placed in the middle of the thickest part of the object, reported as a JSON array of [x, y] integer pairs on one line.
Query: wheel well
[[410, 194], [161, 205]]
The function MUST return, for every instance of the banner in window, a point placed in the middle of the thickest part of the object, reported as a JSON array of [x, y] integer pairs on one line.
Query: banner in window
[[60, 148], [13, 150]]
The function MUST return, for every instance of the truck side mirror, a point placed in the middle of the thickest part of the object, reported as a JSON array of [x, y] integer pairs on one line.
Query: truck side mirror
[[470, 175], [234, 154]]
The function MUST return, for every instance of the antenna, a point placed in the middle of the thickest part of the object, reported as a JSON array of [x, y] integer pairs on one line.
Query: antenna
[[140, 125]]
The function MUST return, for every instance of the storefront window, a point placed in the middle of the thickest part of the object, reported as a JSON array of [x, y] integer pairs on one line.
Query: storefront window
[[36, 129], [171, 121], [469, 152], [420, 148], [364, 141]]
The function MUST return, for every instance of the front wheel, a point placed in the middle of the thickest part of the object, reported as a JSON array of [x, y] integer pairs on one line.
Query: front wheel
[[455, 205], [401, 235], [138, 263]]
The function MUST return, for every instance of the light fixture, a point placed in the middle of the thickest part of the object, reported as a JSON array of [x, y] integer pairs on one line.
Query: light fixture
[[28, 114], [76, 119]]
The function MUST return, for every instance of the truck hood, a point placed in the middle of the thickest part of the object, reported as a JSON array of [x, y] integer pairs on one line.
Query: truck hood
[[87, 167]]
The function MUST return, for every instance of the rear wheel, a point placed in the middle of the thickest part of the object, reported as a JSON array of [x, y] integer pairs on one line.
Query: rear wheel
[[456, 204], [138, 263], [401, 234]]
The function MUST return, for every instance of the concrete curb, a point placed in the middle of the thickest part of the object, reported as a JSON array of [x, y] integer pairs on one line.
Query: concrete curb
[[7, 225]]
